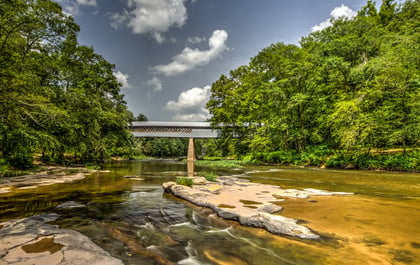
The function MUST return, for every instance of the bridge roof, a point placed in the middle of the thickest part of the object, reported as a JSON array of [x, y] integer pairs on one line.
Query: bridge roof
[[172, 124]]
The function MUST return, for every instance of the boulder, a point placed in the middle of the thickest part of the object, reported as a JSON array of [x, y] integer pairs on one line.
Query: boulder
[[32, 241]]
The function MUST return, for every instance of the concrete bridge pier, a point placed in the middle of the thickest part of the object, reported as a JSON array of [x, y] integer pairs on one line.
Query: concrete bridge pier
[[190, 157]]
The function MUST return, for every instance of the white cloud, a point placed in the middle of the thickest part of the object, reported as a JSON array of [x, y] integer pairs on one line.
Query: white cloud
[[117, 19], [122, 79], [341, 11], [196, 40], [158, 37], [190, 117], [190, 105], [86, 2], [152, 17], [156, 83], [72, 7], [190, 58]]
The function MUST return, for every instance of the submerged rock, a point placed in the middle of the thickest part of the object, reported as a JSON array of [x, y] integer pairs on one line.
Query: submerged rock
[[251, 204], [134, 177], [70, 205]]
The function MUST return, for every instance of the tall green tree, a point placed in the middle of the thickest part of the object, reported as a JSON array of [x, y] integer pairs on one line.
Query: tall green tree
[[57, 96], [353, 85]]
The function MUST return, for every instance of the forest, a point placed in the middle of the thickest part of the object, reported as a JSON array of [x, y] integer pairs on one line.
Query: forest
[[347, 96], [60, 101]]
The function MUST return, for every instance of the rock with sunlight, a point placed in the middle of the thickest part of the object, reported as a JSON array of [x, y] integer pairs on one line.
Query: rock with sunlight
[[34, 242], [251, 204], [47, 176]]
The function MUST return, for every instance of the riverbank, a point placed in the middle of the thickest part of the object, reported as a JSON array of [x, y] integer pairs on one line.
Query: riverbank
[[339, 159]]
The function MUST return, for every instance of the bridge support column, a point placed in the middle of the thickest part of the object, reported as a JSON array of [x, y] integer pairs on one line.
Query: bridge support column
[[190, 158]]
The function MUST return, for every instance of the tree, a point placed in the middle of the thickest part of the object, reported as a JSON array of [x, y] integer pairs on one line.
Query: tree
[[57, 96], [141, 117], [353, 85]]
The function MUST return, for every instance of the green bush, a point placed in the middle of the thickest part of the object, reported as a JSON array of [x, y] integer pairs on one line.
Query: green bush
[[278, 157], [209, 176], [315, 155], [321, 155], [12, 173], [21, 161], [184, 181], [387, 161], [93, 166]]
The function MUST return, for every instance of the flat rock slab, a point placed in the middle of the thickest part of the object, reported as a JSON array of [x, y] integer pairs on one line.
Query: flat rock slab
[[48, 177], [30, 241], [251, 204]]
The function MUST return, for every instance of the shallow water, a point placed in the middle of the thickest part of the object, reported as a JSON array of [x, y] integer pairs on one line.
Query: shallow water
[[137, 222]]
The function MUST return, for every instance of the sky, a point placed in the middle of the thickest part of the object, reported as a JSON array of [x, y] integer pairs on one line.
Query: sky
[[167, 53]]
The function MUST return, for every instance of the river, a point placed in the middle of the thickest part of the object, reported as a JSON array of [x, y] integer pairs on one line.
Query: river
[[135, 221]]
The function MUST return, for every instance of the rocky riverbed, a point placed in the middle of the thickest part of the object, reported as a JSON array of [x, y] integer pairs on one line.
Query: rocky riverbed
[[251, 204]]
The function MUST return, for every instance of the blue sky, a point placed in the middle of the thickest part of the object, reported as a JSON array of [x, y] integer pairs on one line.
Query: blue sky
[[167, 53]]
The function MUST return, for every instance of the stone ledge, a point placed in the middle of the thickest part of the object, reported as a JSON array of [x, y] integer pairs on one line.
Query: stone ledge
[[251, 204]]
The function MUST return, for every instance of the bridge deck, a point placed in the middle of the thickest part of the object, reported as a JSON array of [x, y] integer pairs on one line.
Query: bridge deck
[[174, 129]]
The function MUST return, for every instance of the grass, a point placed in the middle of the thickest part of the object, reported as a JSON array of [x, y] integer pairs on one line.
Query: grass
[[184, 181], [209, 176], [220, 163], [92, 166], [139, 157], [6, 171]]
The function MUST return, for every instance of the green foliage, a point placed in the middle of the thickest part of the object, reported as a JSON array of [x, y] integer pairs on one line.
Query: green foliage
[[141, 117], [219, 163], [410, 161], [209, 176], [175, 147], [184, 181], [352, 86], [6, 171], [12, 173], [92, 166], [278, 157], [58, 97], [21, 161], [161, 147], [138, 157], [386, 161]]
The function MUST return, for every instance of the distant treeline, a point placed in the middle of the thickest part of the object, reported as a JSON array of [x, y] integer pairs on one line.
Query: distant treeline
[[352, 87], [57, 97]]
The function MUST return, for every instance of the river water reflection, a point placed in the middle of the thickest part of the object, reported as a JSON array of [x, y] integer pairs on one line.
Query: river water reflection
[[135, 221]]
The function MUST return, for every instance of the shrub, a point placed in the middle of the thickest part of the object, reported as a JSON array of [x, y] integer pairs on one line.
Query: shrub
[[209, 176], [184, 181], [21, 161]]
